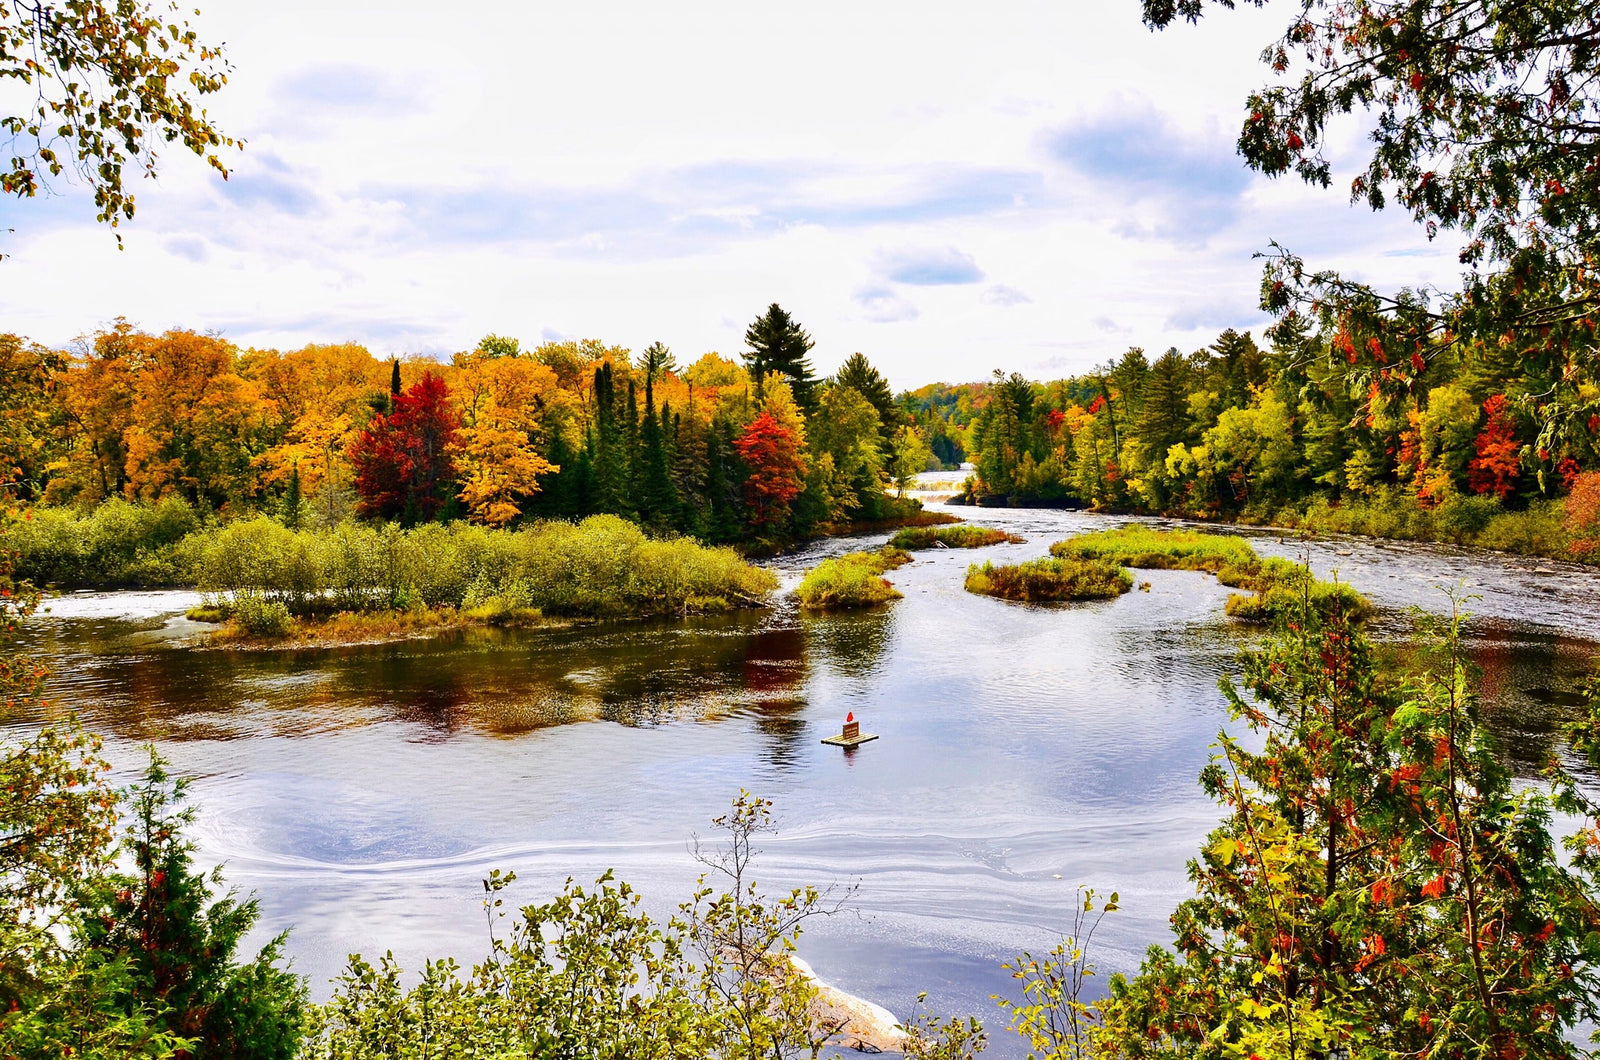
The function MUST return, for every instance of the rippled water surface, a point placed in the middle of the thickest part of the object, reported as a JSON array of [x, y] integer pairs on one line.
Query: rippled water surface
[[1024, 750]]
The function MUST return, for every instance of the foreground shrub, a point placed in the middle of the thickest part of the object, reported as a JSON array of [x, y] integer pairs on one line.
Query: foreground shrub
[[590, 974], [1050, 579], [852, 580], [1378, 884], [962, 535]]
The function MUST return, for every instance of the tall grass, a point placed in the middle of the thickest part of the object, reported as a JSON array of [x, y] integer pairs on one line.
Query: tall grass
[[851, 581], [962, 535], [1070, 578], [1149, 548], [1272, 586]]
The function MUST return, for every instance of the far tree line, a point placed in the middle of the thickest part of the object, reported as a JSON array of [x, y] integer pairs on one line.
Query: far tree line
[[758, 449], [1312, 419], [754, 449]]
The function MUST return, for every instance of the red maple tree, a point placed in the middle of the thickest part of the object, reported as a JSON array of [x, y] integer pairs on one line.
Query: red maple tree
[[772, 454], [402, 459], [1498, 461]]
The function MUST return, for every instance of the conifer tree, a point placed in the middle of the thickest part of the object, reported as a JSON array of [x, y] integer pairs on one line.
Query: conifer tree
[[657, 500], [609, 450], [779, 345], [857, 373]]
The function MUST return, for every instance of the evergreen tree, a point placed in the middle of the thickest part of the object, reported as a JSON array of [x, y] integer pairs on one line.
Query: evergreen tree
[[858, 374], [1242, 364], [777, 344], [292, 499], [658, 501], [724, 477], [180, 942], [655, 362], [609, 449], [1164, 406]]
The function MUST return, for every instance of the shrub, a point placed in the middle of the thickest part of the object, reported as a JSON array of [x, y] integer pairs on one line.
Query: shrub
[[118, 544], [1461, 518], [850, 581], [260, 617], [963, 535], [1069, 578]]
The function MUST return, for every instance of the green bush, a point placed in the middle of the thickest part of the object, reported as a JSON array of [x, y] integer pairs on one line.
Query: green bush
[[602, 567], [851, 581], [962, 535], [1070, 578], [260, 617], [119, 543]]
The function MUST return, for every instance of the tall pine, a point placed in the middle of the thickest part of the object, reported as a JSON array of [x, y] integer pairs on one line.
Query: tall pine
[[778, 344]]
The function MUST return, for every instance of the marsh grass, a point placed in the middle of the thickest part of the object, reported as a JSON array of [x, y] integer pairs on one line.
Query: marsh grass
[[962, 535], [850, 581], [1151, 549], [1058, 578], [1272, 587]]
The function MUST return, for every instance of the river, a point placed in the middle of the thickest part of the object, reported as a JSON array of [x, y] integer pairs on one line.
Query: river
[[364, 792]]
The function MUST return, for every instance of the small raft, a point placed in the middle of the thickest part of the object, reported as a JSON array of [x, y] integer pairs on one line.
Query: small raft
[[852, 734]]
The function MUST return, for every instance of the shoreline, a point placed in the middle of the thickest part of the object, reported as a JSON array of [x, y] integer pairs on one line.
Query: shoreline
[[1300, 530]]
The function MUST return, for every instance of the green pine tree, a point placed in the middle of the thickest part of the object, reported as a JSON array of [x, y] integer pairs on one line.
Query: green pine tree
[[779, 345]]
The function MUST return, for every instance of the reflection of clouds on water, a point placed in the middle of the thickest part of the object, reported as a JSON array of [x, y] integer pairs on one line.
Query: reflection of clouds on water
[[366, 791]]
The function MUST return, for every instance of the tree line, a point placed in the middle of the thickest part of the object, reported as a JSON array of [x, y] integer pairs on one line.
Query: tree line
[[754, 450], [1291, 429]]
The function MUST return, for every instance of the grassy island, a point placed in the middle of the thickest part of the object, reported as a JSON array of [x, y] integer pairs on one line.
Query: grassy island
[[1271, 585], [851, 581], [962, 535], [359, 582], [1050, 579]]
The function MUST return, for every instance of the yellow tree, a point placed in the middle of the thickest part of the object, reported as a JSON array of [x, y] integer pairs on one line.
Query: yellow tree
[[318, 398], [497, 457], [195, 422], [96, 395]]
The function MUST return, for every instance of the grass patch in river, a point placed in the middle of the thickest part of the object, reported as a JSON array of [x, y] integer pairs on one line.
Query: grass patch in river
[[1272, 586], [1070, 578], [1150, 549], [963, 535], [851, 581]]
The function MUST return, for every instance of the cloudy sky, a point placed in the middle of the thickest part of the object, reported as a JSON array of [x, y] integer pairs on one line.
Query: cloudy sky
[[948, 188]]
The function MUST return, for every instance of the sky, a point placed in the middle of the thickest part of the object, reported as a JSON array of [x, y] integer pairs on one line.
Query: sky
[[947, 188]]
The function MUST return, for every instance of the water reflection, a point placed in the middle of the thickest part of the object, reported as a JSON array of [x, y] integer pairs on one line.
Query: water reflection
[[853, 643], [1022, 751]]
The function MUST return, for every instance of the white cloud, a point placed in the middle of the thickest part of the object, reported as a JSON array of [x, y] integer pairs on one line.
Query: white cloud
[[631, 172]]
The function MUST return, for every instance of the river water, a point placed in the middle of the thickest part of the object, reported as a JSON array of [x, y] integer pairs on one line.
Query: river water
[[363, 793]]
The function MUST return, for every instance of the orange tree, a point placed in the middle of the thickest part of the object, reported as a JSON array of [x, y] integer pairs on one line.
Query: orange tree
[[1377, 887]]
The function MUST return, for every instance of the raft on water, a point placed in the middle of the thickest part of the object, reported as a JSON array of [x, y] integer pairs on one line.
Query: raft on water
[[852, 734]]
